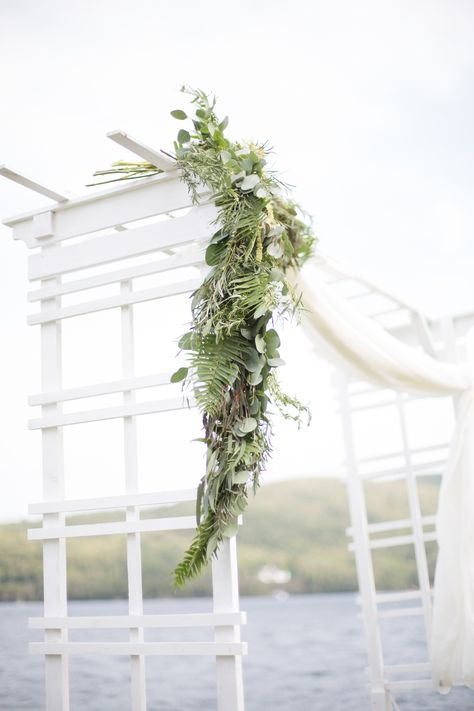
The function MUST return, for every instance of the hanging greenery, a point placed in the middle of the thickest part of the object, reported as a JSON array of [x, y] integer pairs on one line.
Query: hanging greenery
[[232, 344]]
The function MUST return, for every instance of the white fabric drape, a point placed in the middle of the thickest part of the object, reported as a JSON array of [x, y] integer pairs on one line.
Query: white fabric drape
[[362, 346]]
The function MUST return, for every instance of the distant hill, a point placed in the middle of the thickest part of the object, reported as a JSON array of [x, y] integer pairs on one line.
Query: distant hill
[[296, 526]]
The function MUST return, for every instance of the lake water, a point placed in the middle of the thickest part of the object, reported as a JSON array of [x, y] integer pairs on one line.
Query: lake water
[[305, 653]]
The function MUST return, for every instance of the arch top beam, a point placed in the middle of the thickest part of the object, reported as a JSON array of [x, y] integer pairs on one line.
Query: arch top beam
[[140, 149], [16, 177]]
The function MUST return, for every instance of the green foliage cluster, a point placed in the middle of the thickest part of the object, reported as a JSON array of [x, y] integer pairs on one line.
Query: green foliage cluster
[[298, 525], [232, 345]]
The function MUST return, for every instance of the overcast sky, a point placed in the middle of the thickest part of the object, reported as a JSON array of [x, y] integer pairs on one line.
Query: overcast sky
[[368, 105]]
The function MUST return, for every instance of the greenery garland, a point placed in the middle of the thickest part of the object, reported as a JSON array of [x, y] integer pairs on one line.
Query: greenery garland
[[232, 345]]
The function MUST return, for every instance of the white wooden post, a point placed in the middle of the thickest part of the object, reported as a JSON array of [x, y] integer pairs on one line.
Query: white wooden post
[[134, 562], [380, 697], [225, 588], [417, 523], [54, 551]]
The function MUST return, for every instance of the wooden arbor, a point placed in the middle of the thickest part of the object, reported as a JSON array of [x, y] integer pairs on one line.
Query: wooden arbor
[[103, 248], [406, 458]]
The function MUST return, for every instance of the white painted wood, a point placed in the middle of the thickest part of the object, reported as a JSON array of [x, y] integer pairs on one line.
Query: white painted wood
[[420, 537], [146, 648], [172, 243], [407, 668], [395, 525], [31, 184], [230, 690], [434, 465], [54, 550], [194, 255], [401, 612], [113, 386], [400, 453], [400, 596], [190, 228], [380, 697], [392, 541], [43, 225], [110, 413], [111, 528], [113, 502], [134, 561], [100, 210], [409, 685], [112, 302], [191, 619], [140, 149]]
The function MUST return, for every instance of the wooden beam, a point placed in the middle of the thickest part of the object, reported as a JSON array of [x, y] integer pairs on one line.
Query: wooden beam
[[148, 154], [31, 184]]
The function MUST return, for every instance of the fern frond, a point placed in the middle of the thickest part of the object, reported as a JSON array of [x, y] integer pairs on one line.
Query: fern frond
[[198, 554]]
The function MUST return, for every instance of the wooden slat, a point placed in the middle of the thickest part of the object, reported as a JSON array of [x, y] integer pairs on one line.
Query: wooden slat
[[192, 256], [193, 227], [138, 199], [140, 149], [112, 528], [401, 612], [147, 648], [112, 302], [392, 541], [110, 413], [200, 619], [16, 177], [113, 502], [394, 471], [414, 668], [113, 386], [383, 526], [409, 684]]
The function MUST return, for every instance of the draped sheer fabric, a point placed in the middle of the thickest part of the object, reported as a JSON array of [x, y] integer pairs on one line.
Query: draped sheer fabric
[[363, 347]]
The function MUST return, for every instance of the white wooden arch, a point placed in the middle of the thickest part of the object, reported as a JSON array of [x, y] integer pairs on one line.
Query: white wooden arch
[[75, 235], [174, 243], [443, 339]]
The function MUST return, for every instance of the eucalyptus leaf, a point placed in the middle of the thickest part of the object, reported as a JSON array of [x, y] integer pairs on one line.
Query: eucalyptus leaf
[[212, 254], [224, 123], [179, 375], [272, 339], [246, 164], [237, 176], [183, 136], [241, 477], [275, 250], [252, 360], [274, 362], [249, 182], [255, 406], [178, 114], [186, 342], [246, 333], [255, 378], [248, 424], [260, 311], [260, 343], [230, 530], [199, 497]]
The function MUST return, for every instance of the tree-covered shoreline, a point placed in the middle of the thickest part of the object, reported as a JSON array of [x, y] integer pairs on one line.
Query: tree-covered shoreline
[[298, 526]]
